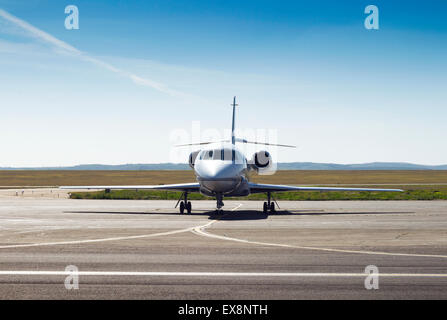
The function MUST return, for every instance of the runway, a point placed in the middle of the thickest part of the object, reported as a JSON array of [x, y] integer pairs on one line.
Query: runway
[[147, 250]]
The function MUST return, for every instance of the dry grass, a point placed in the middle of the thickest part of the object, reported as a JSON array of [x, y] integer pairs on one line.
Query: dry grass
[[59, 178], [293, 177], [355, 177]]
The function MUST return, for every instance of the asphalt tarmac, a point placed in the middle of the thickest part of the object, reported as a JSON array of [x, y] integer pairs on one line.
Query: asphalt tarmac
[[148, 250]]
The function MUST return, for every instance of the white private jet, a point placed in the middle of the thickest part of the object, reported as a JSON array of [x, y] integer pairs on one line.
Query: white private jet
[[223, 172]]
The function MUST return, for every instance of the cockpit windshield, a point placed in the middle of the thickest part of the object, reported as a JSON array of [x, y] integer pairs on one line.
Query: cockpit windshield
[[225, 154], [207, 155]]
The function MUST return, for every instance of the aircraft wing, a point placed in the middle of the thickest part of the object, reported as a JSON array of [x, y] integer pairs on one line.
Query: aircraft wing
[[190, 187], [260, 188]]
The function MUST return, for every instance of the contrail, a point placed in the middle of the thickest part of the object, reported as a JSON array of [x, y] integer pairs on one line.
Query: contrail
[[42, 35]]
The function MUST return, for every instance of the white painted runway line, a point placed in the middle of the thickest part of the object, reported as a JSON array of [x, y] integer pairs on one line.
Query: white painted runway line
[[151, 235], [200, 230], [215, 274]]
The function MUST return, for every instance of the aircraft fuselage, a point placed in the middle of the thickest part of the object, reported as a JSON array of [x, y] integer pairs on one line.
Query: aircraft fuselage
[[222, 170]]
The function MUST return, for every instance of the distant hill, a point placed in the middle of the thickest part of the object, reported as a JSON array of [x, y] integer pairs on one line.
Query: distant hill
[[281, 166], [148, 166], [360, 166]]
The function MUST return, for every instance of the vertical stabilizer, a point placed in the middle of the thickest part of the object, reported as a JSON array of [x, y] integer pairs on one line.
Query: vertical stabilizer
[[233, 138]]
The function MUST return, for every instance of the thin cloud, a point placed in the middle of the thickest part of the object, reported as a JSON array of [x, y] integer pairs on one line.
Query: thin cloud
[[67, 48]]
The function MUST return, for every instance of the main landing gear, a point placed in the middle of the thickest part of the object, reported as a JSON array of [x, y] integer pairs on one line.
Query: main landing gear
[[269, 206], [185, 204]]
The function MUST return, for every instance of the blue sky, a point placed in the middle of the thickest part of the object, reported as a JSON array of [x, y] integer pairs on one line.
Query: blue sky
[[307, 69]]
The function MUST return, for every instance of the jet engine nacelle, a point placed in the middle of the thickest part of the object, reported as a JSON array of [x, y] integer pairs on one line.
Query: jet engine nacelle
[[261, 161], [192, 158]]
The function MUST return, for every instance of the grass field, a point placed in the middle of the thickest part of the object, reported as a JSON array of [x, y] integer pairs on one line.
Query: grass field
[[418, 185], [293, 177]]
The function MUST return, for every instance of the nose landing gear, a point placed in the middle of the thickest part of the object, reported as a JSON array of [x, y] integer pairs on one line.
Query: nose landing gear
[[220, 203]]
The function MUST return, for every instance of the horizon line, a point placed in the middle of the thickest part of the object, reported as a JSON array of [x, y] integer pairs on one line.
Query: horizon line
[[377, 163]]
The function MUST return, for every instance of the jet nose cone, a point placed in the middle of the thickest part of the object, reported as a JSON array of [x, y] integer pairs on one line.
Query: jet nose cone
[[219, 171], [219, 177]]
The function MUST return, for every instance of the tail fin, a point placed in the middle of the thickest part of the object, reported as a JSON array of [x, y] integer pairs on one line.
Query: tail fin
[[233, 137]]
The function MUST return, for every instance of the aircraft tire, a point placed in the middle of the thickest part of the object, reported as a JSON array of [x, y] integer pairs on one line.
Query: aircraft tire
[[182, 207], [188, 207]]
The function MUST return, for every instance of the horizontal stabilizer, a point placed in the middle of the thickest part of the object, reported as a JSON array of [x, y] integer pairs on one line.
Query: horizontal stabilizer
[[200, 143], [236, 140], [264, 143]]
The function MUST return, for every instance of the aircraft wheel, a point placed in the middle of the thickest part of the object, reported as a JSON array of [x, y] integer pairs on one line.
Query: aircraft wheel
[[188, 207], [272, 207], [182, 207], [265, 208]]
